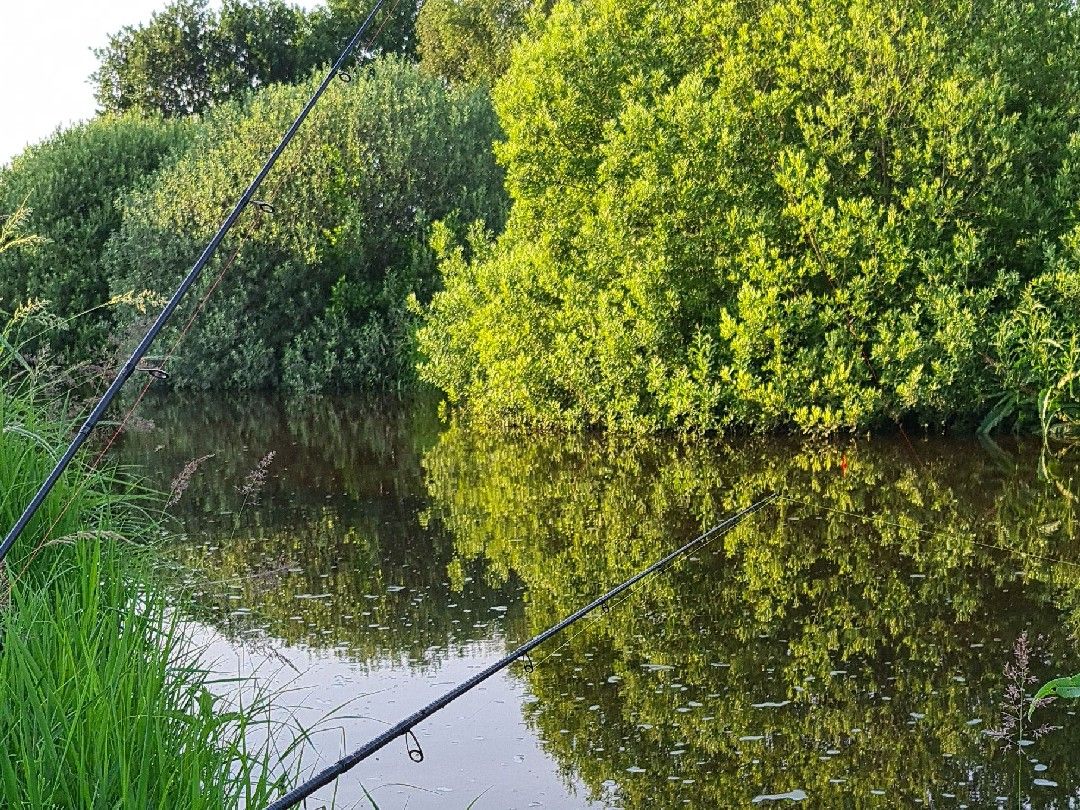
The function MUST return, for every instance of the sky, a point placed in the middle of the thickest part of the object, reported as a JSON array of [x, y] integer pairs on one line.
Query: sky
[[46, 57]]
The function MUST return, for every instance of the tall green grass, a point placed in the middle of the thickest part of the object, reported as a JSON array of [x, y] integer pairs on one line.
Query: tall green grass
[[102, 701]]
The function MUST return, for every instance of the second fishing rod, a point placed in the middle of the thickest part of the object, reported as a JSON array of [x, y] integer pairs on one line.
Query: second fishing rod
[[405, 727]]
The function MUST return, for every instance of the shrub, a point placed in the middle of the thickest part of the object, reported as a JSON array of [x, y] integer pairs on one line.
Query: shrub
[[71, 183], [317, 294], [777, 214]]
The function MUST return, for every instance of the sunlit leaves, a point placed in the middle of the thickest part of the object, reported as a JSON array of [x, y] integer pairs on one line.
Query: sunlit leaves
[[839, 197]]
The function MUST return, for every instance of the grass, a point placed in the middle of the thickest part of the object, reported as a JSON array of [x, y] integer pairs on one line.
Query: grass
[[102, 701]]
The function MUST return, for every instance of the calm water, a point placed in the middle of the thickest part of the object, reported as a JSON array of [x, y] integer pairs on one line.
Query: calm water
[[844, 648]]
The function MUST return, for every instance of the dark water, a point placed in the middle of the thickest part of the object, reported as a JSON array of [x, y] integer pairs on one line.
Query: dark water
[[845, 648]]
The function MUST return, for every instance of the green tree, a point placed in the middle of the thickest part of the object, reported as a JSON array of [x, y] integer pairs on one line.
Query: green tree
[[71, 182], [317, 294], [470, 40], [778, 214], [189, 57], [1037, 350], [162, 66], [395, 27]]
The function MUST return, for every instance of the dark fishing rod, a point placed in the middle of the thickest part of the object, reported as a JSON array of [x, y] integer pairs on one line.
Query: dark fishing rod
[[405, 727], [193, 275]]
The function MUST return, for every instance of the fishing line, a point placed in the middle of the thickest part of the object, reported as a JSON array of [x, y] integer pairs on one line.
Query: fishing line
[[928, 532], [129, 368], [405, 727]]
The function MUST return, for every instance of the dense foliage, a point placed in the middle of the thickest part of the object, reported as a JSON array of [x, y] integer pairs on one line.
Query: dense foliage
[[471, 40], [317, 295], [815, 216], [189, 56], [818, 215], [68, 188]]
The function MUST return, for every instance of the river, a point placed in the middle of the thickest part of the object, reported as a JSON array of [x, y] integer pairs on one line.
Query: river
[[846, 647]]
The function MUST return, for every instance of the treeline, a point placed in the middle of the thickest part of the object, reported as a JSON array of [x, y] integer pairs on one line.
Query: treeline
[[773, 214]]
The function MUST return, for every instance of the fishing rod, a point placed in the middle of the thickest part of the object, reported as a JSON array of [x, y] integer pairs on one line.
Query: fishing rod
[[132, 364], [405, 727]]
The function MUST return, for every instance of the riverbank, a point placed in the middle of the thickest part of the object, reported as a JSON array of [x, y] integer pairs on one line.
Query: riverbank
[[102, 700]]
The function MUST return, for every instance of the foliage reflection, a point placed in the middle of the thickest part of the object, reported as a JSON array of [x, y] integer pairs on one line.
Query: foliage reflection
[[859, 661], [334, 553]]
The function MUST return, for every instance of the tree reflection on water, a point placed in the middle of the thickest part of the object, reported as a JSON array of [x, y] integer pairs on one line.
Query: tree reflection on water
[[847, 642], [858, 660]]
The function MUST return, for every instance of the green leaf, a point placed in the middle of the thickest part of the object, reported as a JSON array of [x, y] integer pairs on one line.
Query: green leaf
[[1005, 406], [5, 344], [1059, 687]]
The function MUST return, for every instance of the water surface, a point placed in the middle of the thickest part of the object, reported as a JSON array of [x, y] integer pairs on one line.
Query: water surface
[[844, 648]]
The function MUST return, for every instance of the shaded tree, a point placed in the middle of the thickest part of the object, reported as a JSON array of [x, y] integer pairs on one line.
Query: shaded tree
[[163, 66], [76, 209], [189, 57], [318, 293], [470, 40]]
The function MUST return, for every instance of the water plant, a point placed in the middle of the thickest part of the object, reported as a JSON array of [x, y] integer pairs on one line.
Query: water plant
[[1010, 731]]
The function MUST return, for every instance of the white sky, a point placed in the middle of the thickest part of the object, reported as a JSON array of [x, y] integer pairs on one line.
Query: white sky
[[46, 58]]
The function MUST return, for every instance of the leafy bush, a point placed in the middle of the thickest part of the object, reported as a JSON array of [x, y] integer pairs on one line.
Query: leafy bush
[[777, 214], [317, 294], [70, 184], [1038, 349]]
